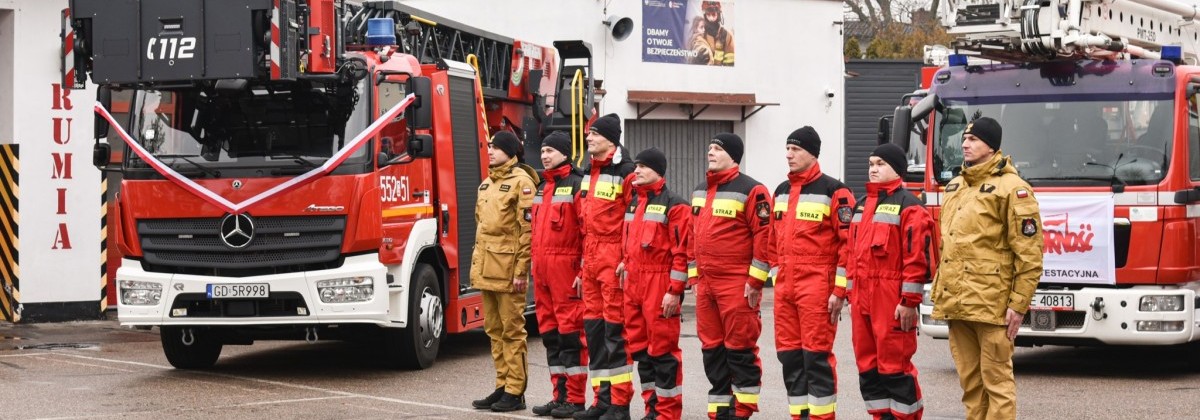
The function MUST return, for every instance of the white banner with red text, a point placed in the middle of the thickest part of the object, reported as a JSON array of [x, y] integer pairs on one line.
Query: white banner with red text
[[1079, 239]]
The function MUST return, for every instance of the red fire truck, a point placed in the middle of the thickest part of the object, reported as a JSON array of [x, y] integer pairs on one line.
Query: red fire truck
[[1098, 101], [272, 189]]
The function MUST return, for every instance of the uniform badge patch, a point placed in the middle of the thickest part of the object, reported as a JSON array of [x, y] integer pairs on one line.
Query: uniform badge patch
[[505, 187], [763, 211], [778, 215], [526, 191], [1022, 193], [845, 214], [1029, 227], [484, 187], [952, 187], [695, 210], [528, 215], [987, 188]]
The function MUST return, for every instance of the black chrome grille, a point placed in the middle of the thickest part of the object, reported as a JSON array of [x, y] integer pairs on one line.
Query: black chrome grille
[[280, 244], [1062, 319], [198, 305], [978, 15]]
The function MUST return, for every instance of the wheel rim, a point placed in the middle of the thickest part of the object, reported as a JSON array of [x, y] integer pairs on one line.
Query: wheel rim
[[431, 318]]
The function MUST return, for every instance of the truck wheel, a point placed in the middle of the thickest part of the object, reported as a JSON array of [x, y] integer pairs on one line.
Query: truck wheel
[[202, 353], [416, 346]]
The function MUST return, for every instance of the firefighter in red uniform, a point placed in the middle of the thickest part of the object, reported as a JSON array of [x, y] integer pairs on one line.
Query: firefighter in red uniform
[[808, 259], [606, 190], [732, 216], [557, 248], [892, 248], [657, 229]]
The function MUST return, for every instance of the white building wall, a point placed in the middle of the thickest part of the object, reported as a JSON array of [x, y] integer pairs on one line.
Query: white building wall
[[788, 52], [49, 272]]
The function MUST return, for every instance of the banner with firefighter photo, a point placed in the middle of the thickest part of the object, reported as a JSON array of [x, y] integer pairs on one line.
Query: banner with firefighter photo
[[688, 32], [1079, 239]]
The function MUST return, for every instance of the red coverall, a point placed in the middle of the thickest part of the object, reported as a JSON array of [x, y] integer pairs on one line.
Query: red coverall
[[808, 252], [893, 239], [732, 216], [657, 230], [607, 187], [557, 249]]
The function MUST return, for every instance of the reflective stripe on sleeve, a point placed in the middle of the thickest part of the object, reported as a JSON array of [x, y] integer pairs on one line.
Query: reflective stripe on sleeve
[[562, 199], [912, 288], [839, 279], [654, 217], [677, 275], [759, 270]]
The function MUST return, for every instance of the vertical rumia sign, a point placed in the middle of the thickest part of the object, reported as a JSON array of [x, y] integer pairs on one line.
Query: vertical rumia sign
[[688, 32]]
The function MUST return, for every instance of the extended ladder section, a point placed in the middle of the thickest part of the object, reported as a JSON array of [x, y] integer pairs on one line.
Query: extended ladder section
[[1040, 30], [431, 38]]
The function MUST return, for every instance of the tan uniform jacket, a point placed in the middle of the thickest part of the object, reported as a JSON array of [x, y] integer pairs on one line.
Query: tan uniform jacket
[[502, 239], [991, 245]]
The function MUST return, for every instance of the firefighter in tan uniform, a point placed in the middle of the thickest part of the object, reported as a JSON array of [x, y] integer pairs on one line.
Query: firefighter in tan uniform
[[500, 266], [991, 262]]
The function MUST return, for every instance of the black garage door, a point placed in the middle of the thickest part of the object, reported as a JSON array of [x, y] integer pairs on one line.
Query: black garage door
[[684, 142], [874, 90]]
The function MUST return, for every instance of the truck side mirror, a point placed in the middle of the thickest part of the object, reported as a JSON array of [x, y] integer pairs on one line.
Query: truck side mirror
[[926, 105], [421, 146], [104, 97], [883, 133], [902, 124], [420, 113], [101, 153]]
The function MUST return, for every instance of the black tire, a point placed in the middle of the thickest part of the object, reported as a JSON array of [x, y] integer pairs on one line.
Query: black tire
[[201, 354], [416, 346]]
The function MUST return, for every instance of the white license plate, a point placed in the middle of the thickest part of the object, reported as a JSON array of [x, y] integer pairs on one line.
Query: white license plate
[[239, 291], [1053, 301]]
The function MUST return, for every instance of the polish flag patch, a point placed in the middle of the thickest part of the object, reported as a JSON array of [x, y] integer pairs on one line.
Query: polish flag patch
[[526, 191], [1022, 193]]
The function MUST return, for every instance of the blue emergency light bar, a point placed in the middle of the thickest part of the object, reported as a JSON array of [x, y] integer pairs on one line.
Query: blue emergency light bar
[[957, 60], [381, 32], [1172, 53]]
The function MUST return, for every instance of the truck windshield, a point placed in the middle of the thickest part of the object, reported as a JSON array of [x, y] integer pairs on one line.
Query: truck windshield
[[1095, 142], [209, 132]]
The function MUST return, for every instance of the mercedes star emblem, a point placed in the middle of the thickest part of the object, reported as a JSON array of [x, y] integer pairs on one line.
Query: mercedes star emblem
[[237, 230], [237, 184]]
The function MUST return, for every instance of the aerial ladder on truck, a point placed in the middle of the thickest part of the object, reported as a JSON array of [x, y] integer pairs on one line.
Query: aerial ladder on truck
[[302, 170], [1098, 100]]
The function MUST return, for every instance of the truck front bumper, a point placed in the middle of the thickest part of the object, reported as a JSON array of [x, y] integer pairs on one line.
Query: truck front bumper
[[289, 293], [1101, 316]]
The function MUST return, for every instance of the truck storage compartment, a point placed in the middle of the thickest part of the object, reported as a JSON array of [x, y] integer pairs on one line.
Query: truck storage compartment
[[132, 41]]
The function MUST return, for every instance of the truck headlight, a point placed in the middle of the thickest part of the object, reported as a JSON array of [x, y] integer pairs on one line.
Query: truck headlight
[[1164, 326], [346, 289], [140, 292], [925, 299], [1161, 303]]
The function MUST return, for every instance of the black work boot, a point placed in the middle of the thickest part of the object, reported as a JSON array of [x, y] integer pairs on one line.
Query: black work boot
[[487, 402], [509, 402], [592, 413], [566, 410], [546, 409], [616, 412]]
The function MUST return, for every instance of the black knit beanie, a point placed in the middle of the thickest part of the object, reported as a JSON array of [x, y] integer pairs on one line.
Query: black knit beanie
[[508, 143], [986, 129], [806, 138], [732, 145], [654, 159], [894, 156], [609, 126], [559, 141]]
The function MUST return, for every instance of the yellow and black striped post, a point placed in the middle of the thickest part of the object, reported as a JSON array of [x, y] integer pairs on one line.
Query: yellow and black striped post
[[103, 242], [10, 217]]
